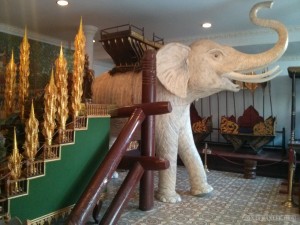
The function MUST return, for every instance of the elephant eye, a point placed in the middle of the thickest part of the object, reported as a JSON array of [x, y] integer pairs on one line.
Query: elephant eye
[[216, 54]]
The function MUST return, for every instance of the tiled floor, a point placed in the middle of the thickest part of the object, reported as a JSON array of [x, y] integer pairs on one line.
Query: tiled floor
[[235, 200]]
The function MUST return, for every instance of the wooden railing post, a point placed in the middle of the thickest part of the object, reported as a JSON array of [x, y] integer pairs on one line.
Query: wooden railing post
[[147, 130]]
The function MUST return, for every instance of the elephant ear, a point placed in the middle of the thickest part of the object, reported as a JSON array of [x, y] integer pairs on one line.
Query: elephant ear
[[172, 68]]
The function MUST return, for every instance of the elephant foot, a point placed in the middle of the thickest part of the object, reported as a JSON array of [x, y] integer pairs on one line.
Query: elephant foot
[[173, 198], [202, 191]]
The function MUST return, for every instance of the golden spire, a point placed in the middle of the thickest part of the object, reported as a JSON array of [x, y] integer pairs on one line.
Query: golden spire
[[78, 70], [80, 30], [31, 136], [24, 73], [15, 160], [61, 53], [50, 110], [15, 145], [61, 78], [10, 82]]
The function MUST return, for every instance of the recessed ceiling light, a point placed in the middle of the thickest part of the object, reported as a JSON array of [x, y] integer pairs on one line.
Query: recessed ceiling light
[[94, 41], [62, 2], [206, 25]]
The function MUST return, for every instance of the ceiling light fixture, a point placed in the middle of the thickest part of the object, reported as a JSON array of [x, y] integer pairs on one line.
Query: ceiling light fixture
[[206, 25], [62, 2]]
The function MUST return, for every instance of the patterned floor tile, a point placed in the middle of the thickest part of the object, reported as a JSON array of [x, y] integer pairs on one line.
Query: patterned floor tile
[[235, 200]]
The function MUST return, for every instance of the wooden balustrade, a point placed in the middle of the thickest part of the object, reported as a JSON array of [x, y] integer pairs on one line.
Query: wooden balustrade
[[51, 152], [66, 136], [16, 187], [80, 122], [90, 197], [97, 109], [35, 168]]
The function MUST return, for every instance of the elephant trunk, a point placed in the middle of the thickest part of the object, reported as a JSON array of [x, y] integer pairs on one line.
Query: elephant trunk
[[252, 62]]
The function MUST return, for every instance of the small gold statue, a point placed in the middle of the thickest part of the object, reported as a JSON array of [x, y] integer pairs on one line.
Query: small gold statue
[[10, 82], [15, 166], [24, 74], [49, 114], [78, 70], [31, 140], [61, 79]]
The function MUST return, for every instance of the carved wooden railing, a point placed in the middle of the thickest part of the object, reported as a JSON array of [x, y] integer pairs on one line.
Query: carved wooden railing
[[140, 167]]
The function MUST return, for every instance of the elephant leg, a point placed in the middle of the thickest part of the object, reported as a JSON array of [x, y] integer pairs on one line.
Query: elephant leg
[[167, 148], [193, 163], [167, 183]]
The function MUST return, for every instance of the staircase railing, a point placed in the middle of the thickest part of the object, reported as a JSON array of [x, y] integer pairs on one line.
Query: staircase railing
[[90, 197], [140, 167]]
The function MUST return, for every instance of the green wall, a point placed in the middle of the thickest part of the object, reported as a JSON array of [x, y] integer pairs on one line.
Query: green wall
[[65, 179]]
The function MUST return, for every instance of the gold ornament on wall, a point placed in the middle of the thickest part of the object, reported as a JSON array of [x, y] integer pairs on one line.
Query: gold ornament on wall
[[10, 82], [61, 79], [50, 98], [24, 73], [31, 139], [78, 70]]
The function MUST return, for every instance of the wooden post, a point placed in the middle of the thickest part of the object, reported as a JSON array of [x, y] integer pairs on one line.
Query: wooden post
[[250, 169], [147, 130]]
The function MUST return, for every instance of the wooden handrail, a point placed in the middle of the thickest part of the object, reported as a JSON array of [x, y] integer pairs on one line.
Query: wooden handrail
[[155, 108], [113, 213], [90, 196], [147, 162]]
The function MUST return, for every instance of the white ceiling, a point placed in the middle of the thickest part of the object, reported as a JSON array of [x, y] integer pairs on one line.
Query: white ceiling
[[173, 20]]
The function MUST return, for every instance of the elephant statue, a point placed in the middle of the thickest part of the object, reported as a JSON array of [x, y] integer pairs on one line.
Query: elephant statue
[[185, 74]]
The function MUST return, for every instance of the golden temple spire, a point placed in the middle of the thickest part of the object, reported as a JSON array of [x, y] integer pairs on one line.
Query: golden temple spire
[[31, 136], [52, 78], [32, 111], [80, 30], [61, 53], [15, 160], [24, 73], [78, 70], [61, 78], [10, 82], [50, 110], [15, 145]]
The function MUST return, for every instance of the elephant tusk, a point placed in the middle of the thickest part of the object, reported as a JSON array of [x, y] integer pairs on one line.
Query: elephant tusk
[[263, 77], [266, 78]]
